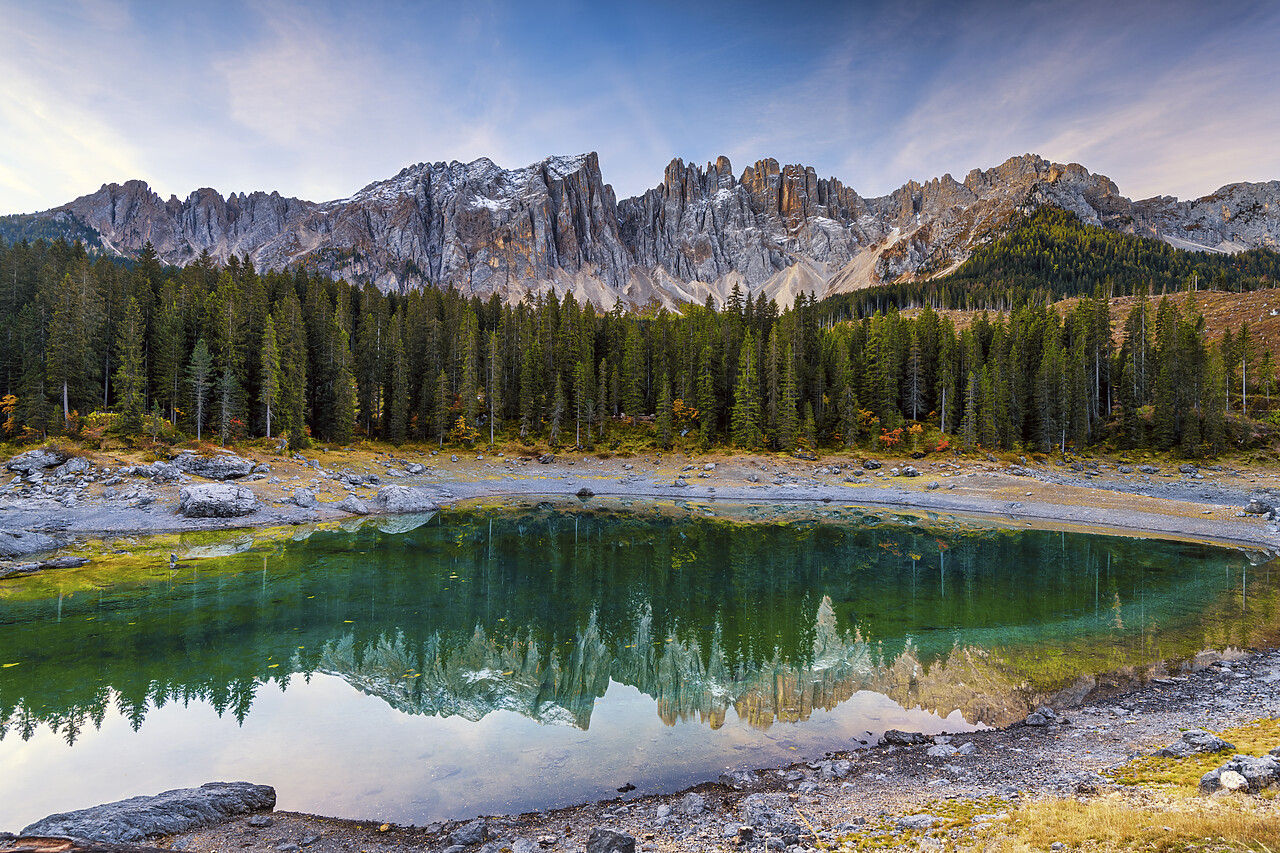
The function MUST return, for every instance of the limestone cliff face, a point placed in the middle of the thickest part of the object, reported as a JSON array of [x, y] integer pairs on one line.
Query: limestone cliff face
[[775, 230]]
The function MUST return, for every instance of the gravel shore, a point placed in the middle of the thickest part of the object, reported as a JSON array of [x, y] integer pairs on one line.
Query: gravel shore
[[864, 793]]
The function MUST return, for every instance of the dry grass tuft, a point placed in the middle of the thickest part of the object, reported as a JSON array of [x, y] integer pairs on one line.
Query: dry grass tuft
[[1232, 823]]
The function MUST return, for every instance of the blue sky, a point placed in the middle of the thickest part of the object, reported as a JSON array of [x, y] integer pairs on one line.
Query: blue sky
[[318, 99]]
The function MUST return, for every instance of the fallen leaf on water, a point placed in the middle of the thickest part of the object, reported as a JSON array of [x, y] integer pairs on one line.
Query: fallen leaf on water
[[384, 827], [15, 663]]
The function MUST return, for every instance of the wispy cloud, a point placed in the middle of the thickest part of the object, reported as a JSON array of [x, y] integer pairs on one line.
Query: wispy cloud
[[319, 99]]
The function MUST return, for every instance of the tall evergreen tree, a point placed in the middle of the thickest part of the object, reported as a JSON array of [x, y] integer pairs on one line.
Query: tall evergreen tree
[[200, 376], [130, 374]]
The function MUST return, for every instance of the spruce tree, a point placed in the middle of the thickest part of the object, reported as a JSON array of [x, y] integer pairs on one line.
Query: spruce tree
[[663, 420], [745, 419], [270, 370], [200, 376], [130, 378], [398, 411]]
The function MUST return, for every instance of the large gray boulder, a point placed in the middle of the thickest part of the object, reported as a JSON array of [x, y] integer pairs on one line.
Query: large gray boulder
[[216, 500], [771, 814], [169, 813], [1258, 773], [605, 839], [20, 543], [353, 505], [223, 466], [1195, 741], [403, 499], [36, 460]]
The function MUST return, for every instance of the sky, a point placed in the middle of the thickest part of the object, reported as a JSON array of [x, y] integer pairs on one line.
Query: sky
[[319, 99]]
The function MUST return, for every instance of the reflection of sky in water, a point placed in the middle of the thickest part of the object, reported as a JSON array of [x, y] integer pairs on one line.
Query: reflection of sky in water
[[329, 748], [480, 662]]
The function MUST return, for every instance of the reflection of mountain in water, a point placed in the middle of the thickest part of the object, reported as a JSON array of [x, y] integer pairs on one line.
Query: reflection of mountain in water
[[772, 620]]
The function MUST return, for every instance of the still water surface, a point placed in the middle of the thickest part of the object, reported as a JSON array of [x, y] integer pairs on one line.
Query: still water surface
[[487, 661]]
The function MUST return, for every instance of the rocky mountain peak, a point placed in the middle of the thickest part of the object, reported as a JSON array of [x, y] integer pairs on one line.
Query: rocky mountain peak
[[555, 225]]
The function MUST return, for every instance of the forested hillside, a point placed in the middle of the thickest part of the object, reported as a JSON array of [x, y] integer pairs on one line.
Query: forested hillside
[[1051, 254], [94, 348]]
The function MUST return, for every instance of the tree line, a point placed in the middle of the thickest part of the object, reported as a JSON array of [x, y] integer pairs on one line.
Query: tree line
[[223, 350]]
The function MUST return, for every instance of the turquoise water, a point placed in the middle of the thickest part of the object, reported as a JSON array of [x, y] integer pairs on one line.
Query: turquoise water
[[486, 661]]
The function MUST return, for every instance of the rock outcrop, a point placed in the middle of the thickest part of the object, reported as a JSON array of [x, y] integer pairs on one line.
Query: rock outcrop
[[169, 813], [216, 500], [774, 231]]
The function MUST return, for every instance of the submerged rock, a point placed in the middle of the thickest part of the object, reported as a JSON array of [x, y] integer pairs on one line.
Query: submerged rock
[[216, 500], [181, 810], [20, 543]]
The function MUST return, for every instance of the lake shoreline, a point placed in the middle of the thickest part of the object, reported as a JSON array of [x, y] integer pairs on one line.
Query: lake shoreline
[[1204, 505], [869, 795]]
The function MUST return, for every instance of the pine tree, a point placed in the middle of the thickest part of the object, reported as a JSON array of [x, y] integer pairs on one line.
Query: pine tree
[[1163, 418], [633, 373], [745, 420], [788, 405], [969, 424], [398, 411], [200, 375], [493, 386], [663, 420], [270, 367], [444, 401], [228, 401], [130, 377]]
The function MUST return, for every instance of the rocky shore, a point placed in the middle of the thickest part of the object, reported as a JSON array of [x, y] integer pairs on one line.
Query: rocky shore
[[54, 499], [911, 793]]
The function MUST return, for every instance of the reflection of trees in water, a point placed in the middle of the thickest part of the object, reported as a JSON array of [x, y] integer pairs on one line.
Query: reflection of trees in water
[[536, 613]]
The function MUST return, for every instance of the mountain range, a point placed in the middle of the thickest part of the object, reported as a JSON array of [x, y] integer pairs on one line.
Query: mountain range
[[773, 230]]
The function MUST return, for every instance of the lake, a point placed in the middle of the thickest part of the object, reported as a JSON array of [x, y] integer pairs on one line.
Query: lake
[[500, 660]]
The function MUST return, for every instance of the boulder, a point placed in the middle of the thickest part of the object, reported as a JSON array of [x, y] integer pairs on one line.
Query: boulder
[[216, 500], [547, 458], [1193, 742], [606, 840], [223, 466], [1258, 773], [160, 472], [871, 465], [1044, 715], [304, 498], [1148, 469], [403, 499], [73, 466], [910, 471], [917, 821], [474, 832], [691, 805], [353, 505], [20, 543], [169, 813], [901, 738], [36, 460], [585, 493], [415, 468], [737, 778], [771, 814], [1257, 507]]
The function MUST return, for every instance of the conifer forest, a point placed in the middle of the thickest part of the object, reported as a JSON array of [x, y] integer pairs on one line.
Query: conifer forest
[[94, 347]]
